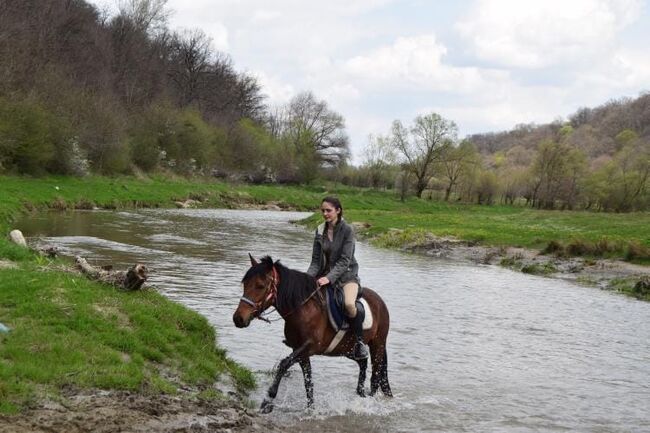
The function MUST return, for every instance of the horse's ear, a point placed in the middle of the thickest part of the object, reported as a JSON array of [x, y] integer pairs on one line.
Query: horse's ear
[[253, 261]]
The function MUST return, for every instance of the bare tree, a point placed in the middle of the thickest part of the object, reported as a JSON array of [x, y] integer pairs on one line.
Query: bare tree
[[379, 157], [190, 65], [421, 145]]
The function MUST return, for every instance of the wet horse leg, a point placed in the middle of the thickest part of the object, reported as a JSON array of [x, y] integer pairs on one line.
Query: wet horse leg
[[305, 365], [383, 379], [376, 356], [363, 366], [285, 364]]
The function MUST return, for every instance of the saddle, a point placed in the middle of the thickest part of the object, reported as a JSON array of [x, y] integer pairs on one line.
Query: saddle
[[336, 309]]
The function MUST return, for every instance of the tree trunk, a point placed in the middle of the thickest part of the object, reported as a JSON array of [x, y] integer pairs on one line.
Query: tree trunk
[[132, 279]]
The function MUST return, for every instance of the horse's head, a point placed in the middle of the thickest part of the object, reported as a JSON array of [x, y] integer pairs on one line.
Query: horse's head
[[260, 290]]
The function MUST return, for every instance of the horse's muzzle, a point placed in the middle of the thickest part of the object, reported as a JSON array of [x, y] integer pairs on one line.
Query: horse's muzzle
[[240, 322]]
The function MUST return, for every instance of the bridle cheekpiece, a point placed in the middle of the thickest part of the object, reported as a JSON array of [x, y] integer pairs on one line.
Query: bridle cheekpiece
[[269, 298]]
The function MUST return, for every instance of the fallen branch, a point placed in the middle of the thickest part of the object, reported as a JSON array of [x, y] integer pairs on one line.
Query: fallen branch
[[132, 279]]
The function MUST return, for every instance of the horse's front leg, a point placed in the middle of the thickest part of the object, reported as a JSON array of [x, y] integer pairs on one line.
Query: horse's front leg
[[285, 364], [305, 364]]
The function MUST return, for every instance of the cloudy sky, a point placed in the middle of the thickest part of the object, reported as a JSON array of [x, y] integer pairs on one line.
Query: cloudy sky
[[486, 64]]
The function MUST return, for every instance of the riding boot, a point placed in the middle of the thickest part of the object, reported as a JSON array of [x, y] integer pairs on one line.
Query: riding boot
[[360, 350]]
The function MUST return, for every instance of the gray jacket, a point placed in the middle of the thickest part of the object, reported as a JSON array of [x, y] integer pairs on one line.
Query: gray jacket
[[343, 267]]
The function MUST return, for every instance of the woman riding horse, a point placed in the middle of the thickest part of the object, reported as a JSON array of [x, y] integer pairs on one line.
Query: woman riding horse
[[307, 330]]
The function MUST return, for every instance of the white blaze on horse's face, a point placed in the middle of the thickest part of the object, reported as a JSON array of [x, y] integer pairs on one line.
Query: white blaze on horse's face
[[249, 303]]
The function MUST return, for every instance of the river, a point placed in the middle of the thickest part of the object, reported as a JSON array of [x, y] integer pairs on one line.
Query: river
[[471, 348]]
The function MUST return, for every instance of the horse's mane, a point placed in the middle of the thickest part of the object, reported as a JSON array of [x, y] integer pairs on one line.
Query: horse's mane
[[294, 288]]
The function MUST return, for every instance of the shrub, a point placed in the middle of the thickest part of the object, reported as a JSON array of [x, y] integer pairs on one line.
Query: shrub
[[637, 251], [29, 136], [554, 247], [579, 247]]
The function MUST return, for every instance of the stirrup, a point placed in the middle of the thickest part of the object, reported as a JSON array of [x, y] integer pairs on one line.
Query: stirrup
[[360, 350]]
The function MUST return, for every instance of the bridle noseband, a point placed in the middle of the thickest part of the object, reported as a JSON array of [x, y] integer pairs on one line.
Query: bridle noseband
[[269, 298]]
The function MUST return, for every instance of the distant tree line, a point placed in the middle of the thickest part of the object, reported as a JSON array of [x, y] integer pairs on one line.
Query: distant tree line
[[599, 159], [83, 92]]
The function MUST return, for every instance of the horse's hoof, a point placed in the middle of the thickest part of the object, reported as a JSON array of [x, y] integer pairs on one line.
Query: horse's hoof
[[266, 407], [361, 392]]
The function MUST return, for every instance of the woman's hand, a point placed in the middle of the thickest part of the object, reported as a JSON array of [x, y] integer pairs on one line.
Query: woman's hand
[[323, 281]]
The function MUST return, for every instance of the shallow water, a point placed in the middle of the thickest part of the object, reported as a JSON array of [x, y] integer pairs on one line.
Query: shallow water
[[471, 348]]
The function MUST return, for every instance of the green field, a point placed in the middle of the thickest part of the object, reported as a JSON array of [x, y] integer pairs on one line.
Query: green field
[[487, 225]]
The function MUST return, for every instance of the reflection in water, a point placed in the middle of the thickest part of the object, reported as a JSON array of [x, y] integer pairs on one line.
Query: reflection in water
[[471, 348]]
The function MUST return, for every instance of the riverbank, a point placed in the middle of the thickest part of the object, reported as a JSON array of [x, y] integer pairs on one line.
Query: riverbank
[[605, 274], [79, 356]]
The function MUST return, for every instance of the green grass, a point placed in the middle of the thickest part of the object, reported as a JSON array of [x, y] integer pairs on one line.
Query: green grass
[[67, 330]]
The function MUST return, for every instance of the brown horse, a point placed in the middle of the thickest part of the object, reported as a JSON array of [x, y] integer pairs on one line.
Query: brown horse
[[299, 301]]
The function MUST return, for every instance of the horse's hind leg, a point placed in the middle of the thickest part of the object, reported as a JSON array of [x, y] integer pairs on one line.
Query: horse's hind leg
[[383, 376], [379, 377], [267, 404], [305, 365], [363, 366]]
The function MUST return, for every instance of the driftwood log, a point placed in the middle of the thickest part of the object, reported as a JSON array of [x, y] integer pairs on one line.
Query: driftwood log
[[132, 279]]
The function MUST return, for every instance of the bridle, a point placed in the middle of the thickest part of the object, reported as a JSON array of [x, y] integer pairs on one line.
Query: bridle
[[269, 296]]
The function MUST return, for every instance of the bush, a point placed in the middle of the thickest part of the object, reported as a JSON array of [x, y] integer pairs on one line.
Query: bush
[[579, 247], [554, 247], [29, 136], [637, 251]]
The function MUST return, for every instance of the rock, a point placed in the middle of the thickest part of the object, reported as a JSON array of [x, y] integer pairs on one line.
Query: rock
[[5, 264], [16, 236], [643, 285], [50, 251], [3, 329]]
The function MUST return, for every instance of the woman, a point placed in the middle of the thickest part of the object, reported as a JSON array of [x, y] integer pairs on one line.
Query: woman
[[333, 262]]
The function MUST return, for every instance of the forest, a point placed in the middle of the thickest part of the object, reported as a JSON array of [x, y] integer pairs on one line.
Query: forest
[[86, 92]]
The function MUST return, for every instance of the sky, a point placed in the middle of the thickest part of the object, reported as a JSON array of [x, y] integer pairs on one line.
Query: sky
[[488, 65]]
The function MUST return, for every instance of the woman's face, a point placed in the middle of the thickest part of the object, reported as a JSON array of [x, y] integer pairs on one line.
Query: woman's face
[[330, 213]]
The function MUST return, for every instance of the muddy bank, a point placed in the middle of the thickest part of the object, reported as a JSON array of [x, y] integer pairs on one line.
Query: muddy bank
[[602, 273], [119, 411]]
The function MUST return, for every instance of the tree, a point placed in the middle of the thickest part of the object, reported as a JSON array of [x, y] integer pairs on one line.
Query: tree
[[315, 133], [557, 167], [421, 145], [456, 162], [379, 157], [189, 65]]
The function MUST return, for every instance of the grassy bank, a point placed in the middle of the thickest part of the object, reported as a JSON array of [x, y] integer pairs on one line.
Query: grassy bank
[[71, 333]]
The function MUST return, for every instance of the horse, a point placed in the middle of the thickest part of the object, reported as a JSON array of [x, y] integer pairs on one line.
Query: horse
[[300, 302]]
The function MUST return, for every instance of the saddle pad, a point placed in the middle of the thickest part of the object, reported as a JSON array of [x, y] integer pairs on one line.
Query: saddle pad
[[367, 324]]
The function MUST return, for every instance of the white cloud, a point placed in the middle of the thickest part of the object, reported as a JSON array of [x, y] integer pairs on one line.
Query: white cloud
[[219, 35], [418, 61], [277, 91], [536, 34]]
